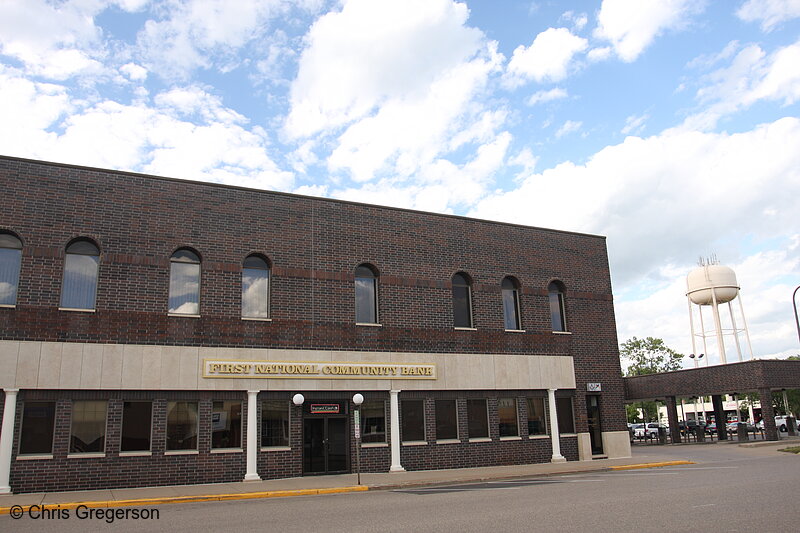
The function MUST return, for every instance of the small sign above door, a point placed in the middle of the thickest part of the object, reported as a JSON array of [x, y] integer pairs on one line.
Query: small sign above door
[[323, 408], [593, 387]]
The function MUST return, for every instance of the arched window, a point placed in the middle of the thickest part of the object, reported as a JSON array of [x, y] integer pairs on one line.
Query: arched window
[[184, 283], [511, 303], [557, 316], [462, 301], [255, 287], [366, 295], [10, 259], [80, 275]]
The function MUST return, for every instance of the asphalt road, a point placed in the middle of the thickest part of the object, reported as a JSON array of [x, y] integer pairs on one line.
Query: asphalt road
[[730, 489]]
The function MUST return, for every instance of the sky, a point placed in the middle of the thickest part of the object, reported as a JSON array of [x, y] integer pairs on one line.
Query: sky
[[672, 127]]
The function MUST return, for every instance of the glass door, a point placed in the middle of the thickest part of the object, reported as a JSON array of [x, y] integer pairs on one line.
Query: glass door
[[593, 416]]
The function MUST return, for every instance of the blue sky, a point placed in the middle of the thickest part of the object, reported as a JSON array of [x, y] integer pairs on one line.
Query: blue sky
[[670, 126]]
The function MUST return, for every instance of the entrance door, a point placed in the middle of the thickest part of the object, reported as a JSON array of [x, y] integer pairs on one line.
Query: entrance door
[[593, 416], [325, 445]]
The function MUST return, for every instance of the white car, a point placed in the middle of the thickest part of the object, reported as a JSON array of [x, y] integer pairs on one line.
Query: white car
[[780, 423], [652, 430]]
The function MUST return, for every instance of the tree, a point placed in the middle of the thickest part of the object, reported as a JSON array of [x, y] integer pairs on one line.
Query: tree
[[649, 356]]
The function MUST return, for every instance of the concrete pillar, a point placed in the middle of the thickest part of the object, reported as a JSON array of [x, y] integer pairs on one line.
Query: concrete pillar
[[768, 414], [252, 437], [394, 421], [555, 436], [719, 417], [7, 439], [672, 418]]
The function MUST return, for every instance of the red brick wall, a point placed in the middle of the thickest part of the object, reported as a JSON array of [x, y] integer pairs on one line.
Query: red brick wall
[[314, 245]]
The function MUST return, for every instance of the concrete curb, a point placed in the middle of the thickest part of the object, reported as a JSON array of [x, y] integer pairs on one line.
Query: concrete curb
[[142, 502], [190, 499]]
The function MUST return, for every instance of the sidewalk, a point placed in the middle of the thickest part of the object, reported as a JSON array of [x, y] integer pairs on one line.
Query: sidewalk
[[301, 486]]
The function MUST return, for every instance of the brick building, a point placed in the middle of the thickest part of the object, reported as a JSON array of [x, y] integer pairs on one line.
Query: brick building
[[155, 331]]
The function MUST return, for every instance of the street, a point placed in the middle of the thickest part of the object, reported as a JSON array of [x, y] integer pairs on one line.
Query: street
[[729, 489]]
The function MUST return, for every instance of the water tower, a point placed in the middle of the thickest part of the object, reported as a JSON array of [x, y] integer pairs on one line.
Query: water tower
[[713, 284]]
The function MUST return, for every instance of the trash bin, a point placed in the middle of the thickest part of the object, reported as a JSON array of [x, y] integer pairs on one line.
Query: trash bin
[[741, 432], [700, 433], [662, 435]]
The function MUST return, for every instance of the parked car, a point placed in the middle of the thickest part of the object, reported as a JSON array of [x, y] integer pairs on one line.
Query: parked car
[[780, 423], [711, 428], [652, 430]]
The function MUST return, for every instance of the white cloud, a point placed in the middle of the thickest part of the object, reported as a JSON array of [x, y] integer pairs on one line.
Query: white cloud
[[54, 40], [547, 96], [548, 58], [204, 33], [372, 52], [632, 25], [752, 76], [667, 198], [599, 54], [134, 72], [770, 13], [570, 126], [634, 124], [578, 20]]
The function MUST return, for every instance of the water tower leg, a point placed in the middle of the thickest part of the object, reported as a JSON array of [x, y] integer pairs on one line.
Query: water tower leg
[[718, 326], [703, 327], [744, 323], [735, 332]]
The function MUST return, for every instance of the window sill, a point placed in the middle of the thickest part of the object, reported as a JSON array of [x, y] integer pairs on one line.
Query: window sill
[[256, 319], [77, 310], [569, 434], [90, 455], [448, 441], [183, 316], [481, 439], [142, 453], [8, 306], [511, 437], [374, 444], [181, 452], [415, 443], [369, 324], [465, 329], [34, 457], [276, 448], [226, 450], [533, 437], [515, 331], [562, 333]]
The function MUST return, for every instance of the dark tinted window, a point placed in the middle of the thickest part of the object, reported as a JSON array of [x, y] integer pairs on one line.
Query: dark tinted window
[[413, 416], [477, 418], [366, 286], [136, 426], [510, 304], [36, 433], [446, 420], [462, 302], [557, 316], [275, 423]]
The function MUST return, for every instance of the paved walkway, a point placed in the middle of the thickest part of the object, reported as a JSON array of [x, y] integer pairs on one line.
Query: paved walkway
[[643, 457]]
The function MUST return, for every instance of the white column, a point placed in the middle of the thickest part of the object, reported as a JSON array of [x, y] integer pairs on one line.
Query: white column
[[394, 418], [554, 435], [252, 437], [7, 439]]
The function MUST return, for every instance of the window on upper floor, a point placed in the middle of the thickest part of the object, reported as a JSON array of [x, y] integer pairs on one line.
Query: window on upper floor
[[255, 287], [510, 290], [366, 285], [81, 266], [557, 316], [10, 260], [184, 283], [462, 301]]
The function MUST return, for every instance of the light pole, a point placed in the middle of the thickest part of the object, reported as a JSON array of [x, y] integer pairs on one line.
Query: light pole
[[794, 303], [358, 399]]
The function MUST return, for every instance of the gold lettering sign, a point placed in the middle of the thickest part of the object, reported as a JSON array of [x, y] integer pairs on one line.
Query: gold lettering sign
[[236, 368]]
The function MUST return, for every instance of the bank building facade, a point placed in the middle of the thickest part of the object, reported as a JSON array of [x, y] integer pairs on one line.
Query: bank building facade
[[158, 331]]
